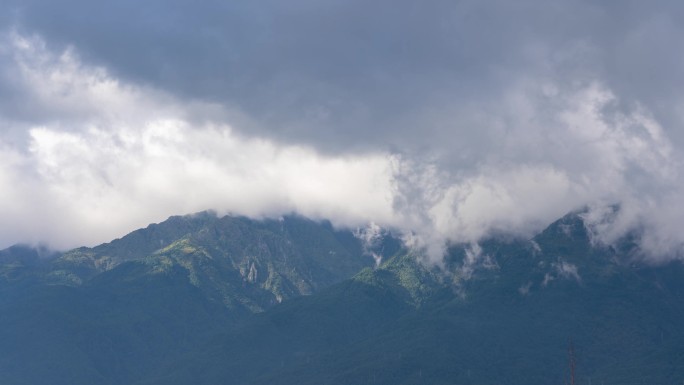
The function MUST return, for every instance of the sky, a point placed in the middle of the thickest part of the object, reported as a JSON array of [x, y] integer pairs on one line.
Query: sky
[[449, 120]]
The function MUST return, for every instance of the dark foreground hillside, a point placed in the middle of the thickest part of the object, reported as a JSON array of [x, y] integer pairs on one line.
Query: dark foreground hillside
[[502, 312], [114, 313]]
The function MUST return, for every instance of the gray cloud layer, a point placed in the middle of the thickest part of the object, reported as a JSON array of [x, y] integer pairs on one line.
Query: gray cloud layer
[[489, 116], [353, 73]]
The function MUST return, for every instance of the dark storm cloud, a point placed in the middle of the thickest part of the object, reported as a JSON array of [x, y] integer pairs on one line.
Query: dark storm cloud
[[357, 73], [334, 73]]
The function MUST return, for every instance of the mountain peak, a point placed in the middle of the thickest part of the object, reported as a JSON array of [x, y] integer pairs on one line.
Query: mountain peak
[[234, 260]]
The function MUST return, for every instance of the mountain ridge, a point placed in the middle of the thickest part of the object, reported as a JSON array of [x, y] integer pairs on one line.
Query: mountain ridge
[[203, 309]]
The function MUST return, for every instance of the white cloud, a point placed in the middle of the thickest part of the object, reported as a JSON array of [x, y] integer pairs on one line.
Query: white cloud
[[566, 270], [107, 182], [87, 157], [550, 153], [107, 158]]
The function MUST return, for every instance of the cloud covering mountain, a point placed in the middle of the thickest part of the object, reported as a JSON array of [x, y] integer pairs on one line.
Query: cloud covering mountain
[[450, 119]]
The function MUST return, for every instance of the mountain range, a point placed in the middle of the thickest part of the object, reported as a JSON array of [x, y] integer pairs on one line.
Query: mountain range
[[205, 299]]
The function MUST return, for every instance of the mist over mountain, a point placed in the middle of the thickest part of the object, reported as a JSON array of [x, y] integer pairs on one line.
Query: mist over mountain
[[205, 299], [454, 120]]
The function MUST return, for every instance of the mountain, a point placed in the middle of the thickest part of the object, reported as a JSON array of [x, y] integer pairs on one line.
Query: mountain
[[293, 301], [22, 262], [112, 313], [242, 263], [504, 312]]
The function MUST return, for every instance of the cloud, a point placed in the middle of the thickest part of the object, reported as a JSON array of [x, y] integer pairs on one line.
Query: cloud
[[104, 183], [454, 120], [338, 74], [371, 237], [561, 151], [567, 270], [106, 157]]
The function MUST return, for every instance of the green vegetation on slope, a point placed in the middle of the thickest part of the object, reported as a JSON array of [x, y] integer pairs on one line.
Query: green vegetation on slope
[[117, 312], [223, 303]]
